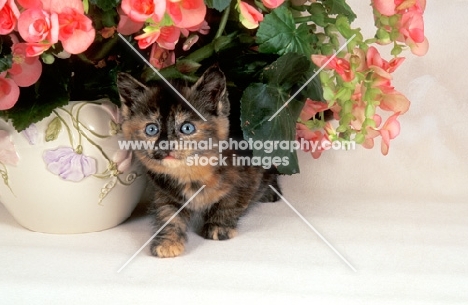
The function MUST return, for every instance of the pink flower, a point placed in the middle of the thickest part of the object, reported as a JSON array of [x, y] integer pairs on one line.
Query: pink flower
[[340, 65], [311, 108], [37, 25], [249, 16], [186, 13], [161, 58], [9, 92], [272, 3], [380, 65], [411, 23], [315, 138], [411, 28], [25, 70], [8, 154], [167, 37], [75, 30], [141, 10], [389, 131], [9, 15]]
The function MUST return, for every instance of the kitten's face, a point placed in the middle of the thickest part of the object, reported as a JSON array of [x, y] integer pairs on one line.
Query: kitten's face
[[156, 115]]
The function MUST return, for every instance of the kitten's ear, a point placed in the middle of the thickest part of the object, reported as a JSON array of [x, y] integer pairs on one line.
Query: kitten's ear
[[130, 89], [212, 86]]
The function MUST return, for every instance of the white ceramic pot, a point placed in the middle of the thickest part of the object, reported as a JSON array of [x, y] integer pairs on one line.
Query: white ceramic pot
[[66, 174]]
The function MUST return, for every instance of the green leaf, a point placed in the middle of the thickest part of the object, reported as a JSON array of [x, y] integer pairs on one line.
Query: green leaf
[[219, 5], [339, 7], [287, 70], [53, 129], [105, 5], [6, 62], [278, 34], [261, 101]]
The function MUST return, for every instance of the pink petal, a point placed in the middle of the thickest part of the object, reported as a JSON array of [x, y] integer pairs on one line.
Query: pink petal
[[25, 70], [9, 93], [311, 108], [10, 14], [141, 10], [168, 37], [272, 3], [368, 143], [319, 60], [8, 154], [29, 3], [58, 6], [392, 126], [385, 142], [127, 26], [147, 39], [79, 41], [395, 102], [384, 7], [420, 49], [192, 13]]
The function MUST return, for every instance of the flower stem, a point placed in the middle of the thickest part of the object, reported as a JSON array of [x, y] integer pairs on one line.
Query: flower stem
[[218, 44], [106, 48], [222, 23]]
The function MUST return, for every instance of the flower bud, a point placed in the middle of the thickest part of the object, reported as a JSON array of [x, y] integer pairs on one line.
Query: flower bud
[[47, 58]]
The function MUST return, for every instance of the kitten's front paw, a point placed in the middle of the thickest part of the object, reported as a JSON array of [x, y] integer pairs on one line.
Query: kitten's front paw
[[167, 248], [211, 231]]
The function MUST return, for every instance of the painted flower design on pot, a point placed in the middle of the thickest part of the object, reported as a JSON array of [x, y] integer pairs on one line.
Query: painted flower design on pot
[[8, 155], [68, 164]]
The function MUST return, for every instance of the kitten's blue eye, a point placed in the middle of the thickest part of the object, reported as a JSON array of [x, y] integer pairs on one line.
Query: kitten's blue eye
[[151, 130], [187, 128]]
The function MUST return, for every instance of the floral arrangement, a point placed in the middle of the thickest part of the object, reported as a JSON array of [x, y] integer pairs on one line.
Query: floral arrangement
[[54, 51]]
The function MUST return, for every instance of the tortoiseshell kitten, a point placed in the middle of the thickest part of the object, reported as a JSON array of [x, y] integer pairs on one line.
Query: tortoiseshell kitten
[[157, 114]]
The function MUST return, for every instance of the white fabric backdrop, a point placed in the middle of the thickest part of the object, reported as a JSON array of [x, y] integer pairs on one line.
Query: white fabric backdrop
[[400, 220]]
